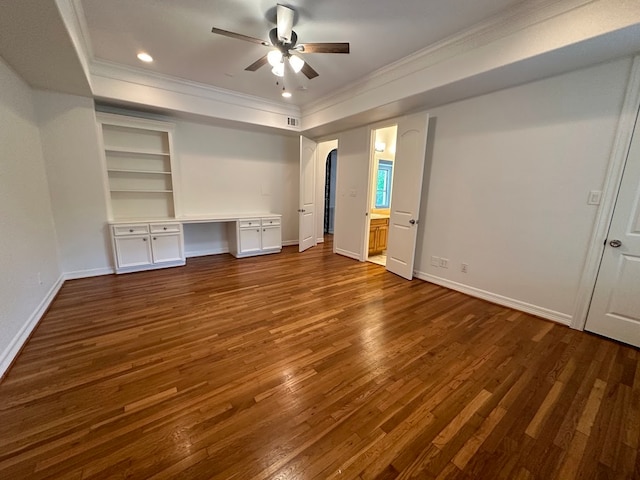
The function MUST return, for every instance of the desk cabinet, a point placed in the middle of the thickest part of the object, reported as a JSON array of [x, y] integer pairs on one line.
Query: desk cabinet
[[255, 236], [145, 246]]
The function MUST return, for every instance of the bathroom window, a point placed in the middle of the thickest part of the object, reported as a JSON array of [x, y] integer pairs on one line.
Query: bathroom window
[[383, 184]]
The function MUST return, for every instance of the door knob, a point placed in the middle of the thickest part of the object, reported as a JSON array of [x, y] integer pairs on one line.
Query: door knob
[[615, 243], [412, 221]]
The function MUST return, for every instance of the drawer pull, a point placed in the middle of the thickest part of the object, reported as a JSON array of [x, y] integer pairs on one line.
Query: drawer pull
[[257, 230], [164, 228], [154, 238], [131, 230], [144, 239]]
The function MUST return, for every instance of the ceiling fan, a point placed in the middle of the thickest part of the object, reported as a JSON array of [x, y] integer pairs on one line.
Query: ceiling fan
[[285, 41]]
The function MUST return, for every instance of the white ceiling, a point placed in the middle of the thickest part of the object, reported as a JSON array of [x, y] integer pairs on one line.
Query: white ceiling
[[178, 35]]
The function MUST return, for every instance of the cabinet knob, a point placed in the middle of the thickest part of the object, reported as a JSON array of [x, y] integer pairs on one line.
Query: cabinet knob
[[154, 238], [144, 239], [131, 230], [164, 228], [257, 230], [264, 229]]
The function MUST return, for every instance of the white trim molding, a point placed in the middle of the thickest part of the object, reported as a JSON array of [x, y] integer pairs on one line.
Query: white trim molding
[[346, 253], [13, 349], [542, 312], [617, 161], [94, 272]]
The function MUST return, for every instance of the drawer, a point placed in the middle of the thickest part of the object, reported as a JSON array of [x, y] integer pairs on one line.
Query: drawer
[[165, 227], [133, 229], [270, 221], [379, 222], [249, 223]]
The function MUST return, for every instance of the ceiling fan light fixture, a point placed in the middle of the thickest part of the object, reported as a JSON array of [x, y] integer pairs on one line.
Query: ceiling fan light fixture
[[286, 94], [274, 57], [278, 70], [296, 63]]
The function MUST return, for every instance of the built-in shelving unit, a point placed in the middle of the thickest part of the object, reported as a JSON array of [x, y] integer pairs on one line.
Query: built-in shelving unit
[[138, 164]]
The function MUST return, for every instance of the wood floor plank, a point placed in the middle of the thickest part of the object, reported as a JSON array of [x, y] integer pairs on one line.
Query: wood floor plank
[[310, 366]]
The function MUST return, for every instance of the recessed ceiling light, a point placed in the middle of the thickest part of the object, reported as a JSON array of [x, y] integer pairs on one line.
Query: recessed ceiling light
[[145, 57], [286, 94]]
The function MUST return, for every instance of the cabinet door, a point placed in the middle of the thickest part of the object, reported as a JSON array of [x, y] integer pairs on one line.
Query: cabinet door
[[166, 248], [133, 251], [383, 233], [271, 238], [373, 231], [250, 240]]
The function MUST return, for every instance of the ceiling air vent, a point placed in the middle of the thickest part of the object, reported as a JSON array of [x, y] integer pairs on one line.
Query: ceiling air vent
[[293, 122]]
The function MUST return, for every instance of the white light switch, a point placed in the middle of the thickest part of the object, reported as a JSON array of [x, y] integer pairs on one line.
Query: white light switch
[[594, 197]]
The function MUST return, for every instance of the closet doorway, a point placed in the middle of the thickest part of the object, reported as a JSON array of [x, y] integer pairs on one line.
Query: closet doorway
[[331, 169]]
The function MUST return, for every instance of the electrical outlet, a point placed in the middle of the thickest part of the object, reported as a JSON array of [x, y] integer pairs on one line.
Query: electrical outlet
[[464, 267], [435, 261], [444, 262]]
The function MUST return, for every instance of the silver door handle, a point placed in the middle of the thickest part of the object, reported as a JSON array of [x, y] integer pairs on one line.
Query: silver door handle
[[615, 243], [301, 210]]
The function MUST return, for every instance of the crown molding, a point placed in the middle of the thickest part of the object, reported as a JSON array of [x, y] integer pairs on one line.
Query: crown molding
[[113, 82], [101, 68], [75, 23], [532, 41], [504, 24]]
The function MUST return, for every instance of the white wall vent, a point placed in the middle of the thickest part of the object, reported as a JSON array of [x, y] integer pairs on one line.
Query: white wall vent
[[293, 122]]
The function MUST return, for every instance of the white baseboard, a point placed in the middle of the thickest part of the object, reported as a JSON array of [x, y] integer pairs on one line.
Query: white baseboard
[[553, 315], [204, 253], [346, 253], [290, 243], [12, 350], [94, 272], [320, 240]]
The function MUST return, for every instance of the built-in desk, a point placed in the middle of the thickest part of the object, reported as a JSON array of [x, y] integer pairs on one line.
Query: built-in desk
[[144, 244], [249, 234]]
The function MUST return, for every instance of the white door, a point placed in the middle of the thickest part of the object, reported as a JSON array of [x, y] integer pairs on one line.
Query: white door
[[411, 146], [306, 212], [615, 306]]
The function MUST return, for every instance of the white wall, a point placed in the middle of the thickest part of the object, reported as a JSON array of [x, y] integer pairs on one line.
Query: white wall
[[31, 272], [506, 187], [228, 170], [74, 172], [351, 194]]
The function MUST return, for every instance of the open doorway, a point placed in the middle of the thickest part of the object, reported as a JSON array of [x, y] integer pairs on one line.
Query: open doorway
[[331, 169], [383, 158]]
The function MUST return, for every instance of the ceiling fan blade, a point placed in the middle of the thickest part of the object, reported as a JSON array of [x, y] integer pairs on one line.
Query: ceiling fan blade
[[284, 23], [324, 47], [239, 36], [257, 64], [308, 71]]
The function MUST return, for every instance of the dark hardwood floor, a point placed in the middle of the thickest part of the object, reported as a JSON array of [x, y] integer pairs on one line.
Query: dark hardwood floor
[[304, 366]]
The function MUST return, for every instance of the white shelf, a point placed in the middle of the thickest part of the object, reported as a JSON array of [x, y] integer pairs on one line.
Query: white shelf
[[122, 170], [140, 191], [138, 163], [135, 151]]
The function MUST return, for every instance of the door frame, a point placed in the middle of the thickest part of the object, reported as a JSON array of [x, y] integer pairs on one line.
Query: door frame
[[613, 178], [323, 149], [371, 176]]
